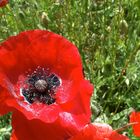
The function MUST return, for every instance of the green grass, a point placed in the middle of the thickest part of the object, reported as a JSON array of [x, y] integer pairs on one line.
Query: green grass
[[107, 33]]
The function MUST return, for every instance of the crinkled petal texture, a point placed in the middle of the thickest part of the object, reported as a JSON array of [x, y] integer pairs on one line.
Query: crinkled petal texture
[[71, 110], [97, 131], [135, 117]]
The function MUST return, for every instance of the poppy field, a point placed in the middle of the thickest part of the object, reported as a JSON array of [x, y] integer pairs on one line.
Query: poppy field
[[69, 67]]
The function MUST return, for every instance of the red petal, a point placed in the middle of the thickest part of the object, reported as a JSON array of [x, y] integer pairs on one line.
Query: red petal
[[15, 59], [32, 48], [79, 101], [97, 131], [3, 3], [56, 53], [103, 130], [135, 117], [72, 122], [13, 136], [35, 129], [40, 48], [4, 98], [48, 50], [46, 114], [116, 136], [88, 133]]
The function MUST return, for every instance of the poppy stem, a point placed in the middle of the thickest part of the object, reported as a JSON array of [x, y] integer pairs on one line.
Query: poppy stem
[[125, 127]]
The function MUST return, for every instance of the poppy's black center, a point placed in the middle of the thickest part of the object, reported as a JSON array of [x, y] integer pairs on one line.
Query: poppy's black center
[[41, 86]]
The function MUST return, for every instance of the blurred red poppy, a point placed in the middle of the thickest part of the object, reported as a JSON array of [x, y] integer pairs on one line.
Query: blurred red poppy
[[97, 131], [3, 3], [135, 117], [42, 83]]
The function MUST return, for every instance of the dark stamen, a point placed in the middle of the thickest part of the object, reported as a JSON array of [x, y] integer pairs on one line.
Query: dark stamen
[[41, 87]]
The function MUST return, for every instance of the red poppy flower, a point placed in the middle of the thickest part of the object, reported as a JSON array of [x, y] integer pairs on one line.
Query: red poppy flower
[[135, 117], [97, 131], [42, 83], [3, 3]]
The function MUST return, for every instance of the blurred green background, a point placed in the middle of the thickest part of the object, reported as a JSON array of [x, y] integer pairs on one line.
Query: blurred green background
[[107, 33]]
